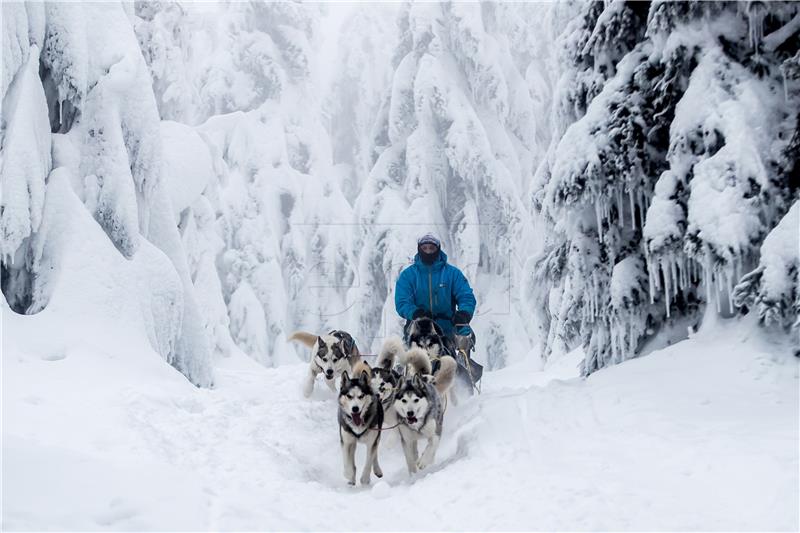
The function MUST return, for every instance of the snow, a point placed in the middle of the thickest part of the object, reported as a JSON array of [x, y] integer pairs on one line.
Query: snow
[[187, 164], [99, 434], [733, 116], [26, 159], [23, 27], [773, 285], [204, 192], [79, 271], [780, 255]]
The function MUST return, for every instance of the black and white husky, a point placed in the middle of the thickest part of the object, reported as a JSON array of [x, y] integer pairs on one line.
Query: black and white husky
[[331, 355], [425, 333], [385, 379], [360, 421], [419, 406]]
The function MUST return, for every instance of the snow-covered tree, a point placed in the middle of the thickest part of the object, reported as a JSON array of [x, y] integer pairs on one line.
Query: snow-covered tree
[[772, 288], [209, 59], [82, 77], [577, 187], [273, 213], [359, 86], [455, 141], [670, 176], [25, 149]]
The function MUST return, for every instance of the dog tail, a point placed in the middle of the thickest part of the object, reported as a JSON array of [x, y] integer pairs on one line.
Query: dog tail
[[360, 367], [303, 337], [417, 361], [444, 377], [389, 352]]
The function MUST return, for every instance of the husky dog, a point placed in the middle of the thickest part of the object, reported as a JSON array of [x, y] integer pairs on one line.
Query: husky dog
[[332, 354], [418, 404], [360, 420], [425, 333], [385, 378]]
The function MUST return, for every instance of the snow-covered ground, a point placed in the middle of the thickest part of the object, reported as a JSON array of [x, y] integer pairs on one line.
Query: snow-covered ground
[[102, 434]]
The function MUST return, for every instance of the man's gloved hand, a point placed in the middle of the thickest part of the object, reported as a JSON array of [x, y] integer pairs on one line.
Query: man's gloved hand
[[420, 312], [461, 317]]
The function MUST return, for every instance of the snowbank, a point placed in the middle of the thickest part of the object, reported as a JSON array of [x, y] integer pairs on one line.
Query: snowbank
[[80, 274], [701, 435]]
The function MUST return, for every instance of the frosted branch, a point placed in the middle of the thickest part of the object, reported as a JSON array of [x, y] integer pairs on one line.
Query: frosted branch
[[779, 36]]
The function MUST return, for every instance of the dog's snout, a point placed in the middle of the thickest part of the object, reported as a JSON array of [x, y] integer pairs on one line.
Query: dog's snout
[[329, 373], [355, 408], [410, 413]]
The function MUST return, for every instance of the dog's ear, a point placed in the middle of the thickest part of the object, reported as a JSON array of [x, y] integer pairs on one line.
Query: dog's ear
[[416, 381], [364, 378], [345, 380], [396, 375]]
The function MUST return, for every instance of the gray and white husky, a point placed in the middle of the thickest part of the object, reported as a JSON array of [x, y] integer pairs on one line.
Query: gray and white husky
[[385, 379], [331, 355], [419, 406], [360, 421]]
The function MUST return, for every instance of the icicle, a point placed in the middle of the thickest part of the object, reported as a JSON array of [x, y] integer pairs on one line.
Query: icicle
[[729, 287], [614, 340], [632, 340], [755, 18], [599, 221], [707, 281], [596, 296], [641, 203], [633, 211], [650, 278], [620, 213], [666, 290], [688, 264]]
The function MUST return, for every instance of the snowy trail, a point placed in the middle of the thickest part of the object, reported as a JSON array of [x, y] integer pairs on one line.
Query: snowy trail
[[702, 435]]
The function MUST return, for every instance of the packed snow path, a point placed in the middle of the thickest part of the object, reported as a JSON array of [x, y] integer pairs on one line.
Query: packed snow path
[[702, 435]]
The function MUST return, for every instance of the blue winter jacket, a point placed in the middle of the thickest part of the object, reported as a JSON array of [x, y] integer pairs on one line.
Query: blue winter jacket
[[437, 288]]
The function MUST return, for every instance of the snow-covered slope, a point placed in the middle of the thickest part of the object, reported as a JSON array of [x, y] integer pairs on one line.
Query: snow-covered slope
[[99, 434]]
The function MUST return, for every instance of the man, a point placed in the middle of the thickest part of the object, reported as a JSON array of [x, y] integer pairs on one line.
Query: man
[[431, 287]]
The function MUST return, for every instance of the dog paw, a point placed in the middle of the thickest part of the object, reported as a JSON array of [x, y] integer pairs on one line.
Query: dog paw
[[423, 463], [365, 481], [378, 472], [351, 482]]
